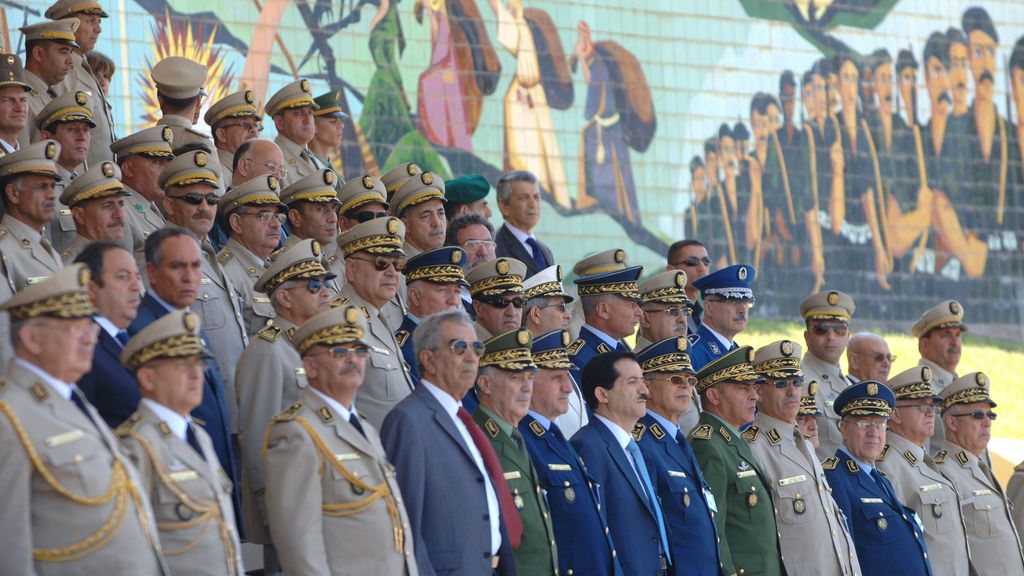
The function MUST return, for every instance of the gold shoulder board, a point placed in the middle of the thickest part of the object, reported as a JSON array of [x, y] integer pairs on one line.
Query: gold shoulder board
[[702, 432], [830, 463], [750, 434], [638, 431], [885, 452], [289, 413], [657, 431], [270, 333], [573, 349], [401, 336], [940, 457]]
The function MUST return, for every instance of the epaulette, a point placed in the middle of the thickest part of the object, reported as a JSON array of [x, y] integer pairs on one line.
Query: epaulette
[[830, 463], [657, 431], [750, 434], [574, 348], [773, 436], [702, 432], [910, 457], [885, 452], [270, 333], [940, 457], [289, 413], [39, 392], [491, 427], [638, 431], [961, 457], [366, 312], [725, 433], [129, 426], [290, 333], [3, 231], [64, 255], [224, 256], [34, 92], [325, 414], [603, 348], [537, 429], [164, 429], [401, 336], [882, 472], [693, 339], [852, 466]]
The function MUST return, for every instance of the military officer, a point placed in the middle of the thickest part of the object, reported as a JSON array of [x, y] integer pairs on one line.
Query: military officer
[[827, 320], [991, 532], [805, 510], [191, 198], [333, 500], [313, 213], [270, 373], [886, 532], [188, 490], [141, 157], [68, 120], [179, 91], [581, 529], [806, 418], [676, 476], [611, 311], [361, 199], [399, 175], [328, 121], [504, 383], [727, 299], [82, 78], [420, 204], [292, 109], [254, 214], [497, 290], [1015, 493], [605, 261], [741, 492], [467, 194], [373, 257], [434, 279], [907, 465], [939, 331], [73, 502], [13, 88], [48, 48], [96, 199], [233, 120]]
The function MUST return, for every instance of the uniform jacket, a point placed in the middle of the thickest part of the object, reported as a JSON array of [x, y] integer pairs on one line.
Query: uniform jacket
[[109, 386], [38, 98], [1015, 493], [299, 159], [227, 163], [81, 77], [142, 217], [705, 347], [940, 379], [506, 245], [404, 339], [586, 347], [830, 383], [243, 268]]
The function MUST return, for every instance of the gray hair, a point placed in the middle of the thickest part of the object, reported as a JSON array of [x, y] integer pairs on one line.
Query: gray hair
[[504, 186], [590, 302], [427, 336], [530, 305], [155, 240]]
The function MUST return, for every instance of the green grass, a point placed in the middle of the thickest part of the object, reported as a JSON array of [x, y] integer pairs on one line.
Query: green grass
[[999, 360]]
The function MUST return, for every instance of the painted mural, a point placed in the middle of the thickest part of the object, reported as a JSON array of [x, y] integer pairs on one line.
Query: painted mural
[[873, 146]]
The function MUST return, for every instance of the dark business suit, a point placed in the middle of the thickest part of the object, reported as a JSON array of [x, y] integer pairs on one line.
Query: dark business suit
[[434, 466], [404, 338], [506, 245], [631, 521], [109, 386]]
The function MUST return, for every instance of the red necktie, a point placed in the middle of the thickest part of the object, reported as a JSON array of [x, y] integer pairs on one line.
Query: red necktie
[[513, 524]]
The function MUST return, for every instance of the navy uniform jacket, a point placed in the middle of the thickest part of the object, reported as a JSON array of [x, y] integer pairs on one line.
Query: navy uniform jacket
[[109, 386], [585, 348], [680, 484], [576, 514], [435, 468], [705, 347], [631, 521], [885, 532], [404, 338]]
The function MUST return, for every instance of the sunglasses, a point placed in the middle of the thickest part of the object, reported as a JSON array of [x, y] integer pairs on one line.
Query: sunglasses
[[382, 263], [342, 352], [693, 261], [680, 380], [195, 198], [839, 329], [367, 215], [783, 383], [518, 302], [314, 285], [878, 357], [561, 307], [459, 347], [978, 415]]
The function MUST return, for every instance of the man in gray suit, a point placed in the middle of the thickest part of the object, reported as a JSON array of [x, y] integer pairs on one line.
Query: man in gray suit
[[439, 452], [519, 202]]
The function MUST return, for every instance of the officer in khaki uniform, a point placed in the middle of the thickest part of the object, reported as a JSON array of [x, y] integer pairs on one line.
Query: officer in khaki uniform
[[497, 290], [399, 175], [253, 213], [189, 179], [373, 254], [1015, 492], [813, 532], [907, 465], [992, 535], [295, 96], [82, 79], [827, 319], [422, 189], [333, 500], [232, 112], [270, 373], [146, 151], [96, 199], [943, 323], [361, 199], [504, 387], [66, 109], [179, 89], [807, 417], [73, 504], [42, 34], [189, 492], [313, 213]]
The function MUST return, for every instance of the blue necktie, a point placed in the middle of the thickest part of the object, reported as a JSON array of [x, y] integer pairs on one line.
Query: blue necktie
[[538, 254], [354, 421], [554, 429], [193, 441], [884, 485], [122, 337], [652, 497]]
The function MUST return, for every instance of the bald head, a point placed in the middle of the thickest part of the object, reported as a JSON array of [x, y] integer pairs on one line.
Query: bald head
[[256, 158], [868, 357]]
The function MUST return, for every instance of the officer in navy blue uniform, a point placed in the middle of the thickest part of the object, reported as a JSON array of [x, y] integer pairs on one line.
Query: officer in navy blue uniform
[[673, 466], [727, 298], [434, 279], [611, 309], [581, 530], [886, 533]]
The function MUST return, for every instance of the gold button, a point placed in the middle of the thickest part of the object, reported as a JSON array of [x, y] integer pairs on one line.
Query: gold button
[[78, 458]]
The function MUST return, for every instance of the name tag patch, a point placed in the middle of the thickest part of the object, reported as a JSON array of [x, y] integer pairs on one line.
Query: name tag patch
[[183, 476], [65, 438], [793, 480], [560, 467]]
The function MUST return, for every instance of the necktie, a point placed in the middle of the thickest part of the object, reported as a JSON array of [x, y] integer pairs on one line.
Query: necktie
[[122, 337], [538, 254], [554, 429], [45, 243], [51, 92], [620, 347], [652, 497], [883, 485], [513, 524], [193, 441], [354, 421], [79, 401]]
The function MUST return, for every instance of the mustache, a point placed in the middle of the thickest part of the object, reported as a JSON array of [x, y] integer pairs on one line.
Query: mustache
[[945, 97], [986, 75], [961, 86]]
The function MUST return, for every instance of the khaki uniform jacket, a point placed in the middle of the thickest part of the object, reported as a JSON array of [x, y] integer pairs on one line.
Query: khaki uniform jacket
[[830, 383], [244, 268], [934, 499], [814, 535], [991, 533], [189, 494], [270, 377], [940, 379], [1015, 492], [332, 498], [49, 446], [82, 78], [299, 160], [74, 249], [387, 379], [482, 334], [62, 229], [38, 98], [142, 218], [333, 260], [227, 162]]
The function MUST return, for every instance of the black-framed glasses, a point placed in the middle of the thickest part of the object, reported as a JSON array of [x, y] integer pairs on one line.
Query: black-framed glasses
[[783, 383], [675, 311], [518, 302], [265, 216], [823, 329], [693, 261], [367, 215], [978, 415], [382, 263], [459, 347], [561, 307], [195, 198]]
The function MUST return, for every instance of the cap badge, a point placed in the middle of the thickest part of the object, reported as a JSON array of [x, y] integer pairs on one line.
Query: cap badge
[[812, 388], [51, 151], [681, 344], [787, 348], [981, 379], [680, 279], [272, 182], [833, 298], [872, 389], [108, 169], [565, 337], [750, 355], [456, 256], [502, 266], [167, 134], [558, 272], [392, 225], [427, 178], [304, 85], [620, 256], [329, 177], [954, 307], [351, 315], [81, 98], [315, 248], [200, 159], [926, 374], [523, 337], [368, 182], [10, 59], [84, 276], [249, 97], [191, 321], [742, 274], [412, 169]]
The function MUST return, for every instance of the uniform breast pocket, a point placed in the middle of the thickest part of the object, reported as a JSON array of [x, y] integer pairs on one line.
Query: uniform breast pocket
[[982, 516], [211, 307], [167, 503], [81, 466], [683, 494], [752, 498], [563, 491], [387, 383], [353, 486], [794, 505], [66, 221], [879, 523], [261, 307], [936, 511]]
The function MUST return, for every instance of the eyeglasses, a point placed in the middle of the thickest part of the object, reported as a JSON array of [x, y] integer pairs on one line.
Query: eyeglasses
[[518, 302], [279, 170], [471, 245], [877, 426], [195, 198], [747, 303], [693, 261], [382, 263], [978, 415], [265, 217], [76, 329], [674, 311], [823, 329], [247, 126], [783, 383], [342, 352], [926, 408], [677, 380], [878, 357], [314, 285], [367, 215], [459, 347], [561, 307]]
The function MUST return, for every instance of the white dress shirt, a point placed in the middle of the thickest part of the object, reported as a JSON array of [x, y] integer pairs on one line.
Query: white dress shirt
[[345, 413], [176, 422], [521, 235]]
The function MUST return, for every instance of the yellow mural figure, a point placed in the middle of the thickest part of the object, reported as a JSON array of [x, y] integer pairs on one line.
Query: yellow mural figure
[[530, 141]]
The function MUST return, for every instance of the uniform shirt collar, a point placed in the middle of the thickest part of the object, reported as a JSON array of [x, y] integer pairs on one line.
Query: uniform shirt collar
[[670, 427], [542, 420], [345, 413], [107, 325], [721, 339], [607, 339], [176, 422], [621, 436], [62, 388]]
